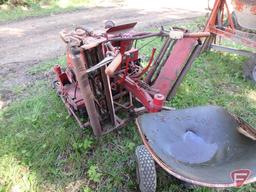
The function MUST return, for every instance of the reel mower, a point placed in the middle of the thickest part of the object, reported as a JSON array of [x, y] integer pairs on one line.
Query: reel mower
[[105, 85]]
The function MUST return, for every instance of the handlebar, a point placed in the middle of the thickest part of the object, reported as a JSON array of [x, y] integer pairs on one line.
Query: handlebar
[[118, 59], [161, 34]]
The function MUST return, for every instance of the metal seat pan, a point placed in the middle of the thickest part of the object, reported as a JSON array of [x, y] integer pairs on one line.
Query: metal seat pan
[[200, 145]]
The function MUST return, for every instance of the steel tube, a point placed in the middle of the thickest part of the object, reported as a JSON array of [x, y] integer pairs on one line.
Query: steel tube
[[86, 92]]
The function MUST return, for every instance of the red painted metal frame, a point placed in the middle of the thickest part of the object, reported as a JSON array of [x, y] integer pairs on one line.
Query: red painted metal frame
[[167, 77], [220, 6], [79, 87], [141, 94], [174, 65]]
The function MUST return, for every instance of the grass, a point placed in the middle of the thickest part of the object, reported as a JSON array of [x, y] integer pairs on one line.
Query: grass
[[217, 79], [46, 65], [10, 13], [43, 149]]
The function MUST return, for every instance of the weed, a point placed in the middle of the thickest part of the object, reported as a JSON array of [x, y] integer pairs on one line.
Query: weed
[[83, 146], [93, 173], [87, 189]]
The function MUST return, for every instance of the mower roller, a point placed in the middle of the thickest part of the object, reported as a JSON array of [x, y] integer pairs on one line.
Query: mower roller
[[106, 85]]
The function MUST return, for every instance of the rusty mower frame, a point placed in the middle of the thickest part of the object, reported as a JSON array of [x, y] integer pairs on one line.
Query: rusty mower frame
[[105, 86], [223, 23]]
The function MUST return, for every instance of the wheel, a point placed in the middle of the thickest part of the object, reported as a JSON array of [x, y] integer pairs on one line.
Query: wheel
[[254, 73], [55, 84], [235, 22], [250, 69], [145, 170], [108, 24]]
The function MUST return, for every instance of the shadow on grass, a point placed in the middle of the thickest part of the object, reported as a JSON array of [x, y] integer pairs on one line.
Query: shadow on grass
[[36, 131]]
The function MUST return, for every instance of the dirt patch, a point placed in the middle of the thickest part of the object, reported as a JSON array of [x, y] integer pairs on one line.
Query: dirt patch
[[26, 43]]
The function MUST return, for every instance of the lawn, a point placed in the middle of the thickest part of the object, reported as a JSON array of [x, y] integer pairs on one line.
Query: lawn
[[34, 8], [43, 149]]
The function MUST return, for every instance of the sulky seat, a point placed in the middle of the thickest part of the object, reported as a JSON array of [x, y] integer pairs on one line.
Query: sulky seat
[[200, 145]]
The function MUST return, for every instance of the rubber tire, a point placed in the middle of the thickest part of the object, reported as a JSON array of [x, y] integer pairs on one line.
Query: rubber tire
[[145, 170], [109, 23], [53, 84], [254, 73], [250, 69]]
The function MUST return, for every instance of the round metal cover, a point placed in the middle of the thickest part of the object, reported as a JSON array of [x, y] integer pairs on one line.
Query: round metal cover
[[200, 145]]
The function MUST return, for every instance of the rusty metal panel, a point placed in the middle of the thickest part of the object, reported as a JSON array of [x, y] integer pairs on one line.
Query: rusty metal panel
[[175, 63], [86, 92]]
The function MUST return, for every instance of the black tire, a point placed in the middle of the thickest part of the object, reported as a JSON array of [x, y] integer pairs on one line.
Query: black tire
[[145, 170], [250, 69], [109, 23], [254, 73], [53, 84]]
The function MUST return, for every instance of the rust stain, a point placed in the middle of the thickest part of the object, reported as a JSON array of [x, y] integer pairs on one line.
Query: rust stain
[[253, 10], [245, 129], [239, 6]]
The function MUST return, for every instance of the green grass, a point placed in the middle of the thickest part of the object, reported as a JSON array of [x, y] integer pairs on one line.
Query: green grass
[[43, 149], [10, 13], [217, 79], [46, 65]]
